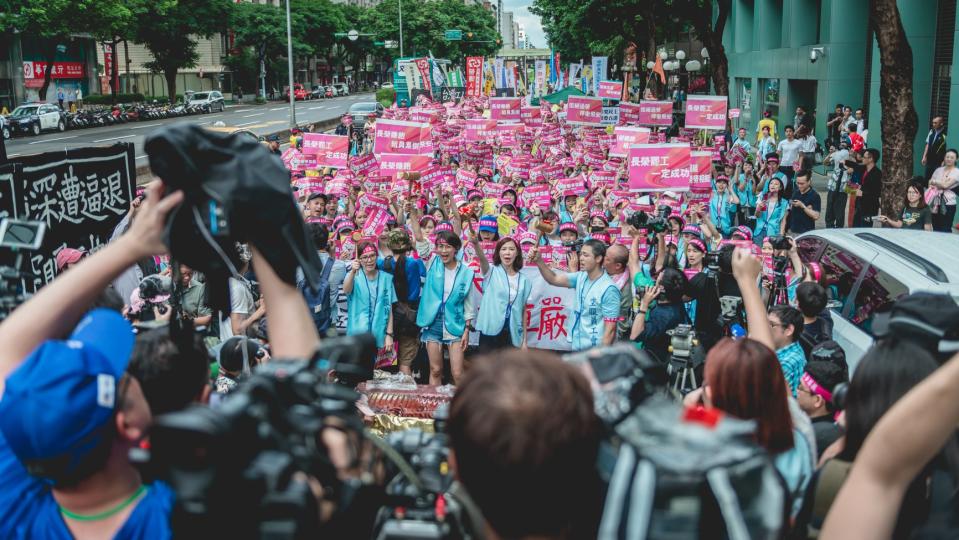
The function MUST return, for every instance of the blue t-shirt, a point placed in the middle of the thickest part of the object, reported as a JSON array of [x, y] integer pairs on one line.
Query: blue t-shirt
[[415, 272], [28, 510]]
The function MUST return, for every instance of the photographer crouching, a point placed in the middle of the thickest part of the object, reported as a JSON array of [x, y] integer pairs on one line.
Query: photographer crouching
[[651, 326]]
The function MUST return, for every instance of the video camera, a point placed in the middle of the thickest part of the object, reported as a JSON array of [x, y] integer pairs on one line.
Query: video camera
[[17, 236], [574, 246], [642, 221]]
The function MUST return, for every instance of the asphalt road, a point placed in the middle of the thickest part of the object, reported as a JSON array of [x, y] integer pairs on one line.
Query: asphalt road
[[260, 119]]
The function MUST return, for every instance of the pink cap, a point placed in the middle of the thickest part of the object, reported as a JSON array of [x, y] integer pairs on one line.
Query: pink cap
[[68, 256]]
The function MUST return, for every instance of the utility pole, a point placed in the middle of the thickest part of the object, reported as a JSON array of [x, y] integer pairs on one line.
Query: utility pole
[[401, 28], [289, 60]]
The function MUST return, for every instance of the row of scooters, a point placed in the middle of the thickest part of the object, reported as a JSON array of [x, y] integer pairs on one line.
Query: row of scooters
[[121, 114]]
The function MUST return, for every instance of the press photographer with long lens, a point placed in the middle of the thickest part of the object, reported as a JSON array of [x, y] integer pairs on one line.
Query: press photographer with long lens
[[718, 297], [651, 326]]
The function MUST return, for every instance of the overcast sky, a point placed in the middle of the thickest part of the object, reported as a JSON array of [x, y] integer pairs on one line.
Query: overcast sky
[[529, 21]]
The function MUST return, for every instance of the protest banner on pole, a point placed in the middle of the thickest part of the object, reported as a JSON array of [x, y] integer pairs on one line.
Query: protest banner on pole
[[479, 129], [656, 113], [398, 137], [706, 112], [626, 137], [659, 167], [700, 170], [330, 150], [629, 113], [584, 111], [505, 108], [474, 76], [393, 164], [610, 89]]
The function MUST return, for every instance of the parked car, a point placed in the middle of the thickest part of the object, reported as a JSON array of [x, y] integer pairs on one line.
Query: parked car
[[342, 89], [33, 118], [318, 92], [299, 92], [213, 100], [866, 270], [359, 111], [386, 85]]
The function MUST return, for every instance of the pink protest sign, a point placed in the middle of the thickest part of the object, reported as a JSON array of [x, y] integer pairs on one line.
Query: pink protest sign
[[505, 108], [734, 113], [610, 89], [656, 113], [330, 150], [659, 167], [531, 116], [362, 164], [700, 170], [393, 164], [627, 136], [629, 113], [398, 137], [479, 129], [706, 112], [584, 111], [375, 222]]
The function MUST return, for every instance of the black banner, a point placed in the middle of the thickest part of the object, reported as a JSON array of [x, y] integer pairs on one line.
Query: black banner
[[81, 194], [504, 92], [452, 93]]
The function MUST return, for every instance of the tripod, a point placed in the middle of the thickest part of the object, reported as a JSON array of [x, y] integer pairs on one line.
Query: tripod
[[778, 292], [680, 368]]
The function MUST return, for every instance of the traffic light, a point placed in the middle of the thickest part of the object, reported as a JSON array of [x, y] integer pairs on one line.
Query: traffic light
[[469, 35]]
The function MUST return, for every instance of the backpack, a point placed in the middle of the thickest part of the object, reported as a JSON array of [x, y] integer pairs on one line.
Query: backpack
[[318, 300], [676, 478]]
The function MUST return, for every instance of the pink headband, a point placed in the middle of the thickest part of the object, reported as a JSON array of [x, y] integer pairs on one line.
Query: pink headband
[[815, 388], [816, 269], [698, 244], [368, 249]]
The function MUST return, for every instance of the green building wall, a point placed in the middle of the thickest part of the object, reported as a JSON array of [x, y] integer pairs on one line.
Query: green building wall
[[771, 40]]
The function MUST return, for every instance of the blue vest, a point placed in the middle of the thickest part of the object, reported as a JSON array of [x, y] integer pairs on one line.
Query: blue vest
[[454, 312], [588, 324], [768, 225], [495, 300], [369, 310]]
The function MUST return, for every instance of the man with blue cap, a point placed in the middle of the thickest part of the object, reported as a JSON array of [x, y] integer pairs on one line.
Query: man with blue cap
[[70, 413]]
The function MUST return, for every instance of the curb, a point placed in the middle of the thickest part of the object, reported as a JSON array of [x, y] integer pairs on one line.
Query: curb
[[144, 175]]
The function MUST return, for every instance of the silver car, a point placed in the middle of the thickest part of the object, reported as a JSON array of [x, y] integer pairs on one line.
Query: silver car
[[866, 270], [212, 100]]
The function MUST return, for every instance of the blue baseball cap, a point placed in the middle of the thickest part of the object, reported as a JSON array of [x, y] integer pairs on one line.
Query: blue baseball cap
[[55, 404], [488, 224]]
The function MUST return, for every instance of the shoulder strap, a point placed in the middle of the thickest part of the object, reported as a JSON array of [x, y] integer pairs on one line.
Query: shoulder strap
[[327, 268], [831, 478]]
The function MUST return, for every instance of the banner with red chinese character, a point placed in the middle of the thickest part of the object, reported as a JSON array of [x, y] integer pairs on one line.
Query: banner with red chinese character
[[398, 137], [393, 164], [659, 167], [479, 129], [656, 113], [549, 314], [628, 113], [584, 111], [423, 65], [626, 137], [531, 116], [330, 150], [474, 76], [700, 170], [505, 108], [706, 112], [610, 89]]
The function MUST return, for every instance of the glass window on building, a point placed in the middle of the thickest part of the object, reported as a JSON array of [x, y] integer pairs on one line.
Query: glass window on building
[[745, 101], [770, 99]]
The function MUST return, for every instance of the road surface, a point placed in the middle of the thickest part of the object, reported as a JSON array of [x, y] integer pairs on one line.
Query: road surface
[[260, 119]]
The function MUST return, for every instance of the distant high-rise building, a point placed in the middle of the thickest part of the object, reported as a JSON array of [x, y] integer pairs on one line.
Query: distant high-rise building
[[506, 29]]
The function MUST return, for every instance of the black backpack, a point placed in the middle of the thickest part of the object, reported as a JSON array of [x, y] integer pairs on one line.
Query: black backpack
[[318, 299], [676, 478]]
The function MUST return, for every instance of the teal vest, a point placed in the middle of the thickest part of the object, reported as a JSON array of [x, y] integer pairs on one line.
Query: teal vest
[[588, 324], [495, 300], [454, 312]]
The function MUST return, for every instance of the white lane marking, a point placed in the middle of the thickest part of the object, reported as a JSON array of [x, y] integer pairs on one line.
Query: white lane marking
[[248, 123], [244, 110], [316, 108], [114, 138], [57, 139], [146, 126], [255, 114], [203, 123], [279, 108]]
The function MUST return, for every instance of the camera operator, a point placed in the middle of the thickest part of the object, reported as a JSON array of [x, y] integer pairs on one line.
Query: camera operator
[[524, 439], [787, 325], [707, 288], [70, 413], [668, 313], [596, 309]]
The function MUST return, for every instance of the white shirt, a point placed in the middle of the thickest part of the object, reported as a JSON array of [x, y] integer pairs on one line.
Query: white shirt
[[449, 276], [809, 143], [788, 152], [513, 286], [241, 302]]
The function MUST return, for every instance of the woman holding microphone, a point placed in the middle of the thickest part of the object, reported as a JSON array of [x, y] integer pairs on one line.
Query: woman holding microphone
[[505, 290], [369, 297]]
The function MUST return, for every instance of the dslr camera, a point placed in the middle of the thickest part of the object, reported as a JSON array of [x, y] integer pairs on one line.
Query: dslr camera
[[657, 224], [781, 243], [574, 246]]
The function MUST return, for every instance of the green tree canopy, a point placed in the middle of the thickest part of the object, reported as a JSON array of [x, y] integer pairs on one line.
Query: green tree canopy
[[424, 24]]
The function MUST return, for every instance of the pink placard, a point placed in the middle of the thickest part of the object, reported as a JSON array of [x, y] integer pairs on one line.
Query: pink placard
[[505, 108], [659, 167], [479, 129], [610, 89], [531, 116], [627, 136], [656, 113], [734, 113], [375, 222], [629, 113], [362, 164], [393, 164], [706, 112], [700, 170], [399, 137], [584, 111], [330, 150]]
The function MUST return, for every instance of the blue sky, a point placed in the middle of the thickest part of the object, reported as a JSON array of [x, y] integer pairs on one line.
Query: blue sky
[[531, 22]]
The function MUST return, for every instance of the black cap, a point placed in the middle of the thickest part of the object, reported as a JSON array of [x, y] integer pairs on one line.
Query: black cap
[[317, 195], [928, 317]]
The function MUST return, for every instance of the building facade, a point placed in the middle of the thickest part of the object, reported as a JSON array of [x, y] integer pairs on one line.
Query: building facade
[[817, 53], [506, 33], [23, 66]]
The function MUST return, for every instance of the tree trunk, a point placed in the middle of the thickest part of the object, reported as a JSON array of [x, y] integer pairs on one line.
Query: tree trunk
[[170, 75], [899, 123], [50, 59]]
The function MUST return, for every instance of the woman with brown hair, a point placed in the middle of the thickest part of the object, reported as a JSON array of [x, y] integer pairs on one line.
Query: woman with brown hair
[[505, 291]]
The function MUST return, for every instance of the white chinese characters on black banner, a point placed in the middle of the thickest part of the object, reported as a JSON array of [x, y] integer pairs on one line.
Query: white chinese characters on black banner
[[80, 194]]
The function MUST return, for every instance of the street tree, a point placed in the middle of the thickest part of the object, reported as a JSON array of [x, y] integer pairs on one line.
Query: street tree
[[898, 123], [424, 24], [262, 28], [55, 21], [169, 30]]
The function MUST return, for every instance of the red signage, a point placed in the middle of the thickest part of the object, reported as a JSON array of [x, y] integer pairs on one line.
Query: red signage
[[61, 70], [474, 76]]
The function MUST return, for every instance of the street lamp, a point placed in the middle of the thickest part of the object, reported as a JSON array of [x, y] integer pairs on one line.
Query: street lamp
[[650, 64], [680, 55], [289, 61], [693, 65], [401, 28], [663, 55]]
